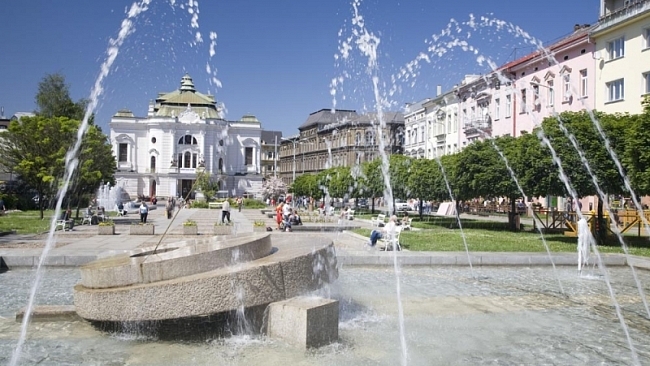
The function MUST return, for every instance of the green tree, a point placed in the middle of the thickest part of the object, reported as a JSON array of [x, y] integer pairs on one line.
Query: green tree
[[307, 185], [399, 170], [372, 181], [424, 175], [53, 99], [35, 148], [637, 154]]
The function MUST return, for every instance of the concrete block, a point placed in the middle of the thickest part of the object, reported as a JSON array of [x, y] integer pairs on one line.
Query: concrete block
[[404, 259], [443, 260], [78, 260], [304, 321], [19, 261], [52, 260], [50, 313]]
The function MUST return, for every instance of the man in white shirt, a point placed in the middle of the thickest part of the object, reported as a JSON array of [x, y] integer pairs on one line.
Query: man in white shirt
[[225, 211]]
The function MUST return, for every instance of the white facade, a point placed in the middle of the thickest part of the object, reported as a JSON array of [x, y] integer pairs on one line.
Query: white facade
[[442, 132], [183, 134]]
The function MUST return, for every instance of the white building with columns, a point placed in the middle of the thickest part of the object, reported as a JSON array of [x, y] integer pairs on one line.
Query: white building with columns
[[183, 134]]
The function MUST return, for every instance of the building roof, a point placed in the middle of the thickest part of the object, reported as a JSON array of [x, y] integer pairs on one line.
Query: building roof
[[328, 116], [582, 32], [19, 115], [174, 103], [268, 137]]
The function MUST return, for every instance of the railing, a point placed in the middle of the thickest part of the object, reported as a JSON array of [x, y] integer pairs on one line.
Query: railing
[[631, 8]]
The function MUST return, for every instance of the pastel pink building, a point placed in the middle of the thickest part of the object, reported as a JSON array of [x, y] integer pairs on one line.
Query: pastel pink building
[[516, 97]]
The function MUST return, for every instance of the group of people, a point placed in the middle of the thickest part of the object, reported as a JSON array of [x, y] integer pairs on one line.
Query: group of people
[[286, 216]]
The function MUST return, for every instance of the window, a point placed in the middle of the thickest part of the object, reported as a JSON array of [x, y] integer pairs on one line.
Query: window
[[535, 96], [646, 83], [123, 152], [421, 134], [615, 90], [522, 107], [248, 156], [646, 38], [357, 138], [152, 164], [616, 48], [187, 140], [508, 110], [566, 87], [550, 96], [187, 160], [369, 138], [584, 84], [497, 107]]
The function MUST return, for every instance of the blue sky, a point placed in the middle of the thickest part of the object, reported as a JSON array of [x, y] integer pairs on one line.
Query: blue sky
[[275, 59]]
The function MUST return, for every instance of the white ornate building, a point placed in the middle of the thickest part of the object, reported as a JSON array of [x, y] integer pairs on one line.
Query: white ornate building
[[183, 134]]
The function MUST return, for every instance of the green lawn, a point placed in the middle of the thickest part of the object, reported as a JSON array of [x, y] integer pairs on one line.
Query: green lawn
[[485, 236], [28, 222]]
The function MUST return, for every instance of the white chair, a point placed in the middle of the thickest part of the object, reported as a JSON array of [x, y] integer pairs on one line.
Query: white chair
[[378, 221], [350, 215], [60, 224], [407, 225], [86, 219], [391, 240]]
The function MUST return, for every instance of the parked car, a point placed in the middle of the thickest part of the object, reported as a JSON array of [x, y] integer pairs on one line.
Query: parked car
[[401, 205], [363, 203]]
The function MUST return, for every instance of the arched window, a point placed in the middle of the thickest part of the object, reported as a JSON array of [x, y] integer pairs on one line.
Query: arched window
[[369, 138], [187, 140], [153, 164], [187, 159], [221, 164]]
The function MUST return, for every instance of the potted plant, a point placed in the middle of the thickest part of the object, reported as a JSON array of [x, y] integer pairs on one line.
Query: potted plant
[[190, 228], [142, 229], [106, 227], [259, 225], [223, 228]]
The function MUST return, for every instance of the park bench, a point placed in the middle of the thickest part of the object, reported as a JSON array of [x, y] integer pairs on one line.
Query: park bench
[[378, 221], [216, 205]]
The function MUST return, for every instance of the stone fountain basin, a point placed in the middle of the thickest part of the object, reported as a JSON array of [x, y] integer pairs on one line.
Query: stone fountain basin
[[174, 260], [297, 264]]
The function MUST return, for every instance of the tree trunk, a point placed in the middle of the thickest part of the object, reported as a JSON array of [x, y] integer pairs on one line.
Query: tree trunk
[[420, 204], [372, 205], [601, 231], [513, 215]]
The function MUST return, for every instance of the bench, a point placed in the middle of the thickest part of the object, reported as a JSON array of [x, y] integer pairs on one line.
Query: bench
[[391, 240]]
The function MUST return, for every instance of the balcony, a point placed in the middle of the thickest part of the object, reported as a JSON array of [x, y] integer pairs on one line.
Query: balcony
[[630, 9], [478, 125]]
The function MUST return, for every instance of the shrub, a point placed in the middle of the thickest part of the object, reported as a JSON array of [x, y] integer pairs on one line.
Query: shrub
[[189, 223], [107, 223], [259, 223], [253, 203], [201, 204]]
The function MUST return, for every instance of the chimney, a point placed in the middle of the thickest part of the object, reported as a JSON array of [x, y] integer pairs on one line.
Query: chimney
[[438, 90]]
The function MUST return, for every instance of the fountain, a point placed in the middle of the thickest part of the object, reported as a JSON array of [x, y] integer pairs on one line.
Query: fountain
[[110, 196], [193, 278], [436, 307]]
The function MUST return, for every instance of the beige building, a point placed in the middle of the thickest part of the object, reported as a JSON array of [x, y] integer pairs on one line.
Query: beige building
[[622, 55], [331, 138], [270, 142]]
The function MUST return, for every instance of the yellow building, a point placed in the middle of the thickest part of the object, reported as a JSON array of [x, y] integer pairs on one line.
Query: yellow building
[[622, 55]]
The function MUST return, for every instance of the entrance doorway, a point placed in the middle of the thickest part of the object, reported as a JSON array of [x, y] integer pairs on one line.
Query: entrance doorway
[[152, 188], [186, 188]]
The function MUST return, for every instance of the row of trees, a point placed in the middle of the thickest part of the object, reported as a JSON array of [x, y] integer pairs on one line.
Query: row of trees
[[35, 148], [480, 170]]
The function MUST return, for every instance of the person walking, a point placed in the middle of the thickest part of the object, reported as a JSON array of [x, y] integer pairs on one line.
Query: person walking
[[169, 207], [144, 212], [240, 203], [225, 211]]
